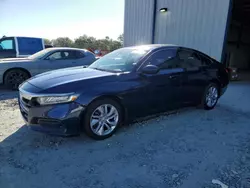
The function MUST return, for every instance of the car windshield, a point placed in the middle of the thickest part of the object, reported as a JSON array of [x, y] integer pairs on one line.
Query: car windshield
[[39, 54], [122, 60]]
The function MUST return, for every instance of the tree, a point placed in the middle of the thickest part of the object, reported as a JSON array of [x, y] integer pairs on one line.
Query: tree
[[47, 41], [115, 45], [88, 42], [62, 42], [120, 38]]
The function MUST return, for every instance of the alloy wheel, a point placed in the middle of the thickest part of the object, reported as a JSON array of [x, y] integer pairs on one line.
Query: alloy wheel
[[15, 78], [104, 119], [212, 96]]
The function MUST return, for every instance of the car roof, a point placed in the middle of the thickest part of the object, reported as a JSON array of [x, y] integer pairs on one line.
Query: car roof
[[65, 48], [153, 46]]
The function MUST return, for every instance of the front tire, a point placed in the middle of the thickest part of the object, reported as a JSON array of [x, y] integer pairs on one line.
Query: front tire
[[102, 119], [14, 78], [210, 97]]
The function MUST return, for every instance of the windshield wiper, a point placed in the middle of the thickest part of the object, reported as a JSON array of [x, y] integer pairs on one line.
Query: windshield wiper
[[106, 70], [98, 69]]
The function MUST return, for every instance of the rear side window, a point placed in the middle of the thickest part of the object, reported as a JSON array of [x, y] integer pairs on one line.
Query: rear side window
[[189, 59], [87, 53], [205, 60], [79, 54], [186, 54], [69, 54], [61, 55]]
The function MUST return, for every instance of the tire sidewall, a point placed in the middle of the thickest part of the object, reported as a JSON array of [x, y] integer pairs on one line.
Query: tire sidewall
[[204, 96], [90, 109], [9, 86]]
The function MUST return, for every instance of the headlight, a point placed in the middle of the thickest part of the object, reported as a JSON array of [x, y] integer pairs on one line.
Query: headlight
[[56, 99]]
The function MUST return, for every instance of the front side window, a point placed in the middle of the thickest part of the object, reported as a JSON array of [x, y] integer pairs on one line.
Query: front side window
[[189, 60], [164, 59], [55, 56], [7, 44], [121, 60], [61, 55], [39, 55]]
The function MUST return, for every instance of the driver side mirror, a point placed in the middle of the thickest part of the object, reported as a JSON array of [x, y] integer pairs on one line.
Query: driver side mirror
[[150, 69]]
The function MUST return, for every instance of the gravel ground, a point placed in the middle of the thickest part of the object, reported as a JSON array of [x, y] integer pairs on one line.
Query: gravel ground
[[188, 149]]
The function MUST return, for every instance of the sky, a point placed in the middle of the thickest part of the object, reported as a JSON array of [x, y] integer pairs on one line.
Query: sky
[[61, 18]]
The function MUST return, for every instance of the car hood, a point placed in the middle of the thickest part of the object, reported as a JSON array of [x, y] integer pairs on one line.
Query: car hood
[[71, 77]]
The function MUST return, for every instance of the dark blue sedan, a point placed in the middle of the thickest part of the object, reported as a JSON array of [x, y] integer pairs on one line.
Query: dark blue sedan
[[126, 84]]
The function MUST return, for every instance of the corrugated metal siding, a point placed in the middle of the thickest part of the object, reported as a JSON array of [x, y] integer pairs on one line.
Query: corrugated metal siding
[[138, 22], [198, 24]]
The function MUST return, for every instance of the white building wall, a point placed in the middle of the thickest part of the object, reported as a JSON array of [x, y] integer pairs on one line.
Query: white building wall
[[138, 22], [198, 24]]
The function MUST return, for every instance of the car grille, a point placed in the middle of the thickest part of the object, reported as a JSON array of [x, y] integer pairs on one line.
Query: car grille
[[25, 105], [24, 110]]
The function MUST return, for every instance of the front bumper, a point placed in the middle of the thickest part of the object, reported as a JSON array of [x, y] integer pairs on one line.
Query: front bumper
[[1, 76], [58, 119]]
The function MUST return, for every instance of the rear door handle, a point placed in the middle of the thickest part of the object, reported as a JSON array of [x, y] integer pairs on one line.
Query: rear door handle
[[173, 76], [205, 72]]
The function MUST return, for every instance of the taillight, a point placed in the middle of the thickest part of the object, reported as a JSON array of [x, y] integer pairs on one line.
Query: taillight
[[227, 70]]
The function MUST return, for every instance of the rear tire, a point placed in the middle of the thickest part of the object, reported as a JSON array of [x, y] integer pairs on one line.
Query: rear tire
[[14, 78], [210, 96], [102, 118]]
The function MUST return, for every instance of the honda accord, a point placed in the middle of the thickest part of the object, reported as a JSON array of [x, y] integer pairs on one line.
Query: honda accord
[[126, 84]]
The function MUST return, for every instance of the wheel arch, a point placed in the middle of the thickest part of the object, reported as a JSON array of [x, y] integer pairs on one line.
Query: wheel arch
[[114, 98], [16, 68]]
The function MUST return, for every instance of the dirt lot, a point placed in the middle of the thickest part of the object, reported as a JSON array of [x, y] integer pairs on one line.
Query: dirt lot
[[188, 149]]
